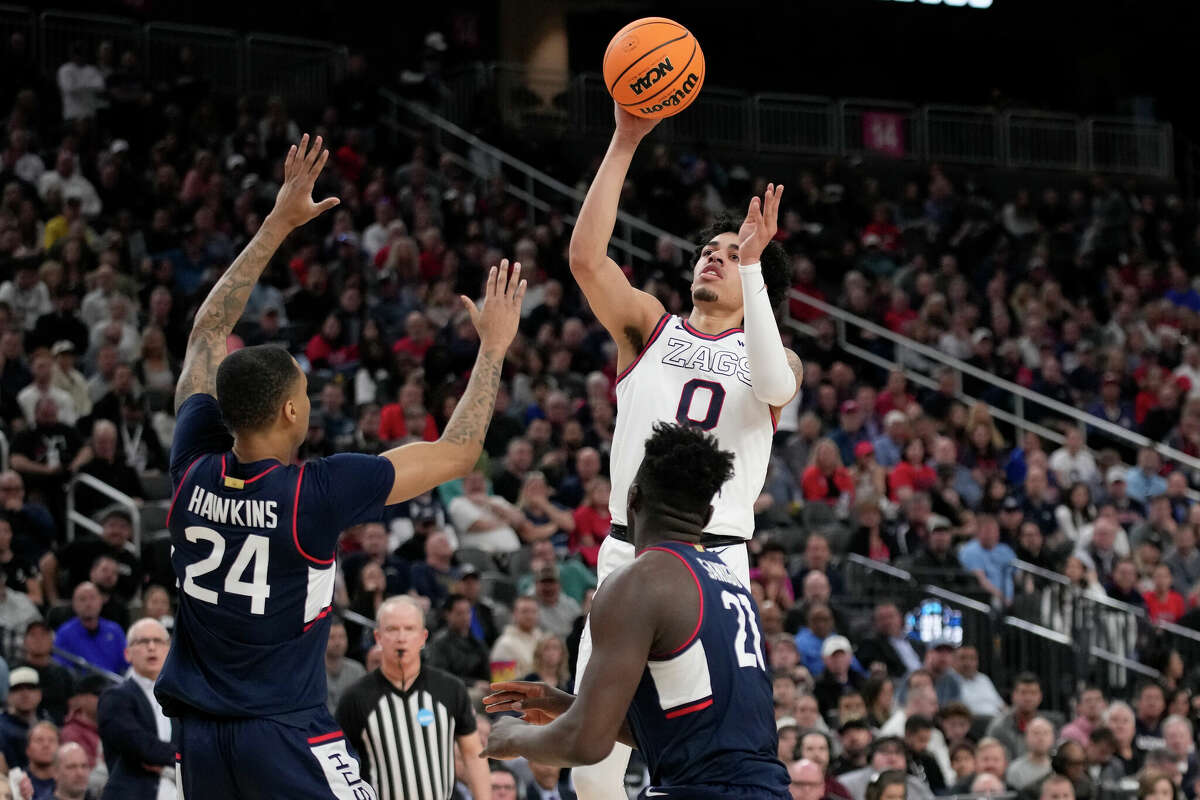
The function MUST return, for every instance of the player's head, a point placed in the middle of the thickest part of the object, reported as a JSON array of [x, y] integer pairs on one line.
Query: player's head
[[715, 278], [681, 471], [263, 390]]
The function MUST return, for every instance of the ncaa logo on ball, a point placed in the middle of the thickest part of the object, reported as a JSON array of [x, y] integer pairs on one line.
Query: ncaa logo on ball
[[425, 717], [652, 76]]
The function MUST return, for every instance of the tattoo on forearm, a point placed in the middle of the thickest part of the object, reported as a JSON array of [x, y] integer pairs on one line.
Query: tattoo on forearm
[[219, 313], [469, 423]]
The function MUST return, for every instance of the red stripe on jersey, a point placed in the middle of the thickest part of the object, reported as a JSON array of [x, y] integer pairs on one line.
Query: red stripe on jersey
[[712, 337], [328, 736], [178, 757], [318, 618], [700, 616], [662, 323], [296, 520], [679, 712], [179, 488], [246, 480]]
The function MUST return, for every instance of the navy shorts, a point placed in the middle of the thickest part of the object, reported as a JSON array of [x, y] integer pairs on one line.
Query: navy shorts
[[306, 758]]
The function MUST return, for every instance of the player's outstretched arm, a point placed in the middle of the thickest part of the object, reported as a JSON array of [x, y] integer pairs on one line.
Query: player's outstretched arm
[[621, 642], [224, 305], [617, 305], [421, 466], [775, 372]]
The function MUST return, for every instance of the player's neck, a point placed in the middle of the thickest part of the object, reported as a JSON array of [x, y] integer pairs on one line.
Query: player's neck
[[401, 679], [712, 321], [667, 526], [249, 448]]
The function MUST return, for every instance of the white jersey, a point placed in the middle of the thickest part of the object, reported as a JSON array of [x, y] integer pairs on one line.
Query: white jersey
[[694, 378]]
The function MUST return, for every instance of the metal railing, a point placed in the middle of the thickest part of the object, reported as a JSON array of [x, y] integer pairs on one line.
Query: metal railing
[[1023, 400], [4, 451], [85, 666], [300, 70], [1009, 642], [540, 192], [87, 523], [790, 124]]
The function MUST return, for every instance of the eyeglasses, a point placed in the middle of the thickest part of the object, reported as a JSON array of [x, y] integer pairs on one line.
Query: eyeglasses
[[149, 640]]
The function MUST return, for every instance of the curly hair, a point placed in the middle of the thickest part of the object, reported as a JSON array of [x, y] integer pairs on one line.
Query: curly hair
[[684, 466], [776, 265]]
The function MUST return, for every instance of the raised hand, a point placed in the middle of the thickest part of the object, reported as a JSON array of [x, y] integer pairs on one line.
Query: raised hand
[[497, 321], [760, 226], [538, 703], [631, 126], [294, 204]]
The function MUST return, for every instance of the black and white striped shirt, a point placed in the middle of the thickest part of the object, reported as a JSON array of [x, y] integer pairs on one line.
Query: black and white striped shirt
[[405, 740]]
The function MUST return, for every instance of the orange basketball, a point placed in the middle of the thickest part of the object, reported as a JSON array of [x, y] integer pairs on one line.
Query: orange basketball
[[654, 67]]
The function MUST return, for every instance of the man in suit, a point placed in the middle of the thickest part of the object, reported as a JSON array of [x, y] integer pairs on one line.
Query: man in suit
[[889, 646], [547, 783], [137, 737]]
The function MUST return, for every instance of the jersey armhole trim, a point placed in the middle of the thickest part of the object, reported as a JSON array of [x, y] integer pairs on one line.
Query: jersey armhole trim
[[699, 617], [296, 522], [179, 488], [658, 329]]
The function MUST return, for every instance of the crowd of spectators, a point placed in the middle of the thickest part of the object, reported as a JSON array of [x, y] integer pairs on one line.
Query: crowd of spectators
[[124, 198]]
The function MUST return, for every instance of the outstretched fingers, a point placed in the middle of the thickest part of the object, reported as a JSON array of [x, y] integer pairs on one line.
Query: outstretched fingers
[[510, 291]]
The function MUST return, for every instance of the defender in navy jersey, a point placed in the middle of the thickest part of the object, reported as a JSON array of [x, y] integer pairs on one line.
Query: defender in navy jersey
[[254, 533], [684, 679]]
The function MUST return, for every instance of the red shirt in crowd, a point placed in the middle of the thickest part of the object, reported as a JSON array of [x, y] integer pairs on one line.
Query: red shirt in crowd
[[413, 347], [896, 320], [889, 235], [589, 522], [1168, 609], [920, 478], [803, 311], [321, 353], [888, 402], [393, 424], [826, 488]]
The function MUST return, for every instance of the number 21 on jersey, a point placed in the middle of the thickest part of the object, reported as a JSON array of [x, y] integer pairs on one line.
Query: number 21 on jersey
[[744, 607]]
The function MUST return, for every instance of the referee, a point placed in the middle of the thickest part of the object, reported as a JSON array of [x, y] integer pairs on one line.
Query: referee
[[404, 718]]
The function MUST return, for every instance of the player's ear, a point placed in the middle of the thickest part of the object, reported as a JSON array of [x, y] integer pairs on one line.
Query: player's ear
[[634, 499]]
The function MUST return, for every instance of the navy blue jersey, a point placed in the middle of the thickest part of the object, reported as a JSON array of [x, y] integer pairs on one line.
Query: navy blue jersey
[[253, 550], [703, 715]]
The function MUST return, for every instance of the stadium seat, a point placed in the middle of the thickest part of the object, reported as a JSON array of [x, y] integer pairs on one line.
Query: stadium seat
[[500, 587], [154, 517], [156, 485], [519, 562]]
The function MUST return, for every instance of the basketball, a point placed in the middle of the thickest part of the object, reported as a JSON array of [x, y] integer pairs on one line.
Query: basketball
[[654, 67]]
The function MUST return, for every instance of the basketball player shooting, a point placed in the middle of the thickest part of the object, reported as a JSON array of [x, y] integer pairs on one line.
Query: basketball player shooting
[[723, 369], [685, 677], [253, 533]]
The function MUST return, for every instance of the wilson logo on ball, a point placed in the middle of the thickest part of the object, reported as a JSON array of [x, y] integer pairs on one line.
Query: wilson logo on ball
[[652, 76], [680, 95]]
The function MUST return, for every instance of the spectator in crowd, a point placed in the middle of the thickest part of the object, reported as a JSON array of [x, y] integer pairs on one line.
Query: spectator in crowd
[[806, 780], [818, 556], [917, 732], [340, 672], [825, 479], [509, 475], [48, 453], [814, 746], [573, 576], [373, 539], [591, 521], [1009, 728], [550, 664], [890, 445], [939, 663], [20, 716], [137, 737], [1145, 480], [54, 681], [108, 467], [887, 753], [921, 701], [512, 655], [486, 521], [888, 645], [33, 527], [1089, 711], [990, 560], [483, 614], [42, 363], [453, 648], [1150, 705], [1072, 464], [810, 640], [854, 736], [18, 581], [72, 565], [954, 720], [40, 752], [81, 725], [1183, 559], [838, 673], [1181, 745], [557, 611], [1034, 764], [433, 577], [1163, 603], [72, 771], [1122, 723], [90, 637]]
